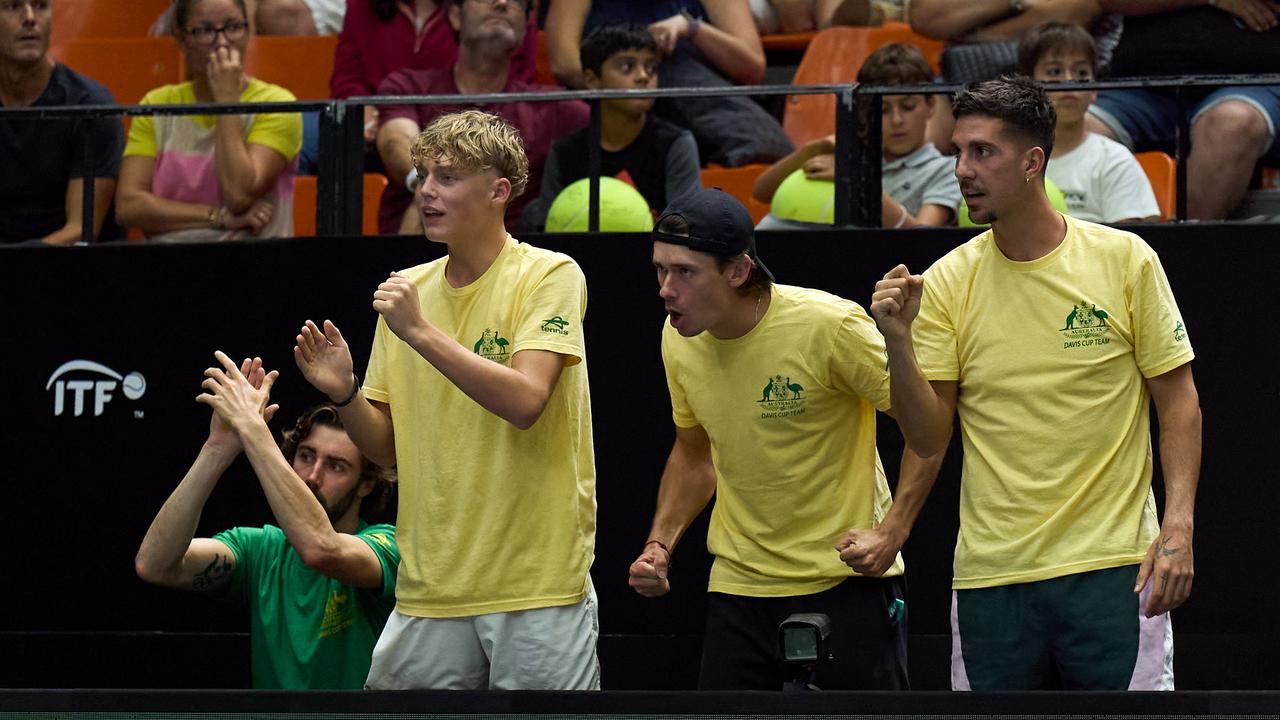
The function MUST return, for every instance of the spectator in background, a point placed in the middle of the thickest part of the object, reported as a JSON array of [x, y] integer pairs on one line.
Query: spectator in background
[[1231, 127], [919, 182], [278, 17], [489, 34], [1100, 179], [42, 181], [660, 158], [798, 16], [707, 44], [205, 177], [320, 586], [983, 39], [381, 36]]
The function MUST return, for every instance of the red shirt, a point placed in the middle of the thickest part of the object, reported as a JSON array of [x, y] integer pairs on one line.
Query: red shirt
[[369, 49], [539, 123]]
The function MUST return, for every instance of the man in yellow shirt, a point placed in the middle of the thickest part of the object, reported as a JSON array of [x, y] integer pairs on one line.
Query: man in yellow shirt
[[477, 391], [774, 393], [1050, 337]]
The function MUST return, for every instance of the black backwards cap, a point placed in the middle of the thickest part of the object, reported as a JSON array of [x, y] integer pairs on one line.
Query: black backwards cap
[[718, 224]]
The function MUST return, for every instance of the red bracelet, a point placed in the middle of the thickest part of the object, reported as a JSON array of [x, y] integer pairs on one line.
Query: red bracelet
[[660, 544]]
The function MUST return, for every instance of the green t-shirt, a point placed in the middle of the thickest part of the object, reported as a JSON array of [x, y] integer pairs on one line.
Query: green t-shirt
[[309, 631]]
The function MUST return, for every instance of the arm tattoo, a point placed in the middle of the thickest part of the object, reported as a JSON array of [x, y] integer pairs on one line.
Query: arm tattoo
[[214, 576]]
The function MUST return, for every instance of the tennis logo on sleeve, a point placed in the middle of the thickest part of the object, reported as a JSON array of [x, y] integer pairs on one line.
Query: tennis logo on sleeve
[[1179, 332], [492, 346], [1086, 325], [556, 325], [781, 397]]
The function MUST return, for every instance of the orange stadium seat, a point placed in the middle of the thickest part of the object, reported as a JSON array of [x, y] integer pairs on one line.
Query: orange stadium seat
[[129, 67], [834, 56], [304, 204], [542, 62], [737, 182], [80, 19], [786, 41], [1162, 171], [301, 64]]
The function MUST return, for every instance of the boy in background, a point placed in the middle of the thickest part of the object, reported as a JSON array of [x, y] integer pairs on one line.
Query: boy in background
[[661, 158], [919, 183], [1100, 178]]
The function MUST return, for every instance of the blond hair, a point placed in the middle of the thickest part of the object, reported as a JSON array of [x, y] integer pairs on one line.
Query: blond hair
[[475, 141]]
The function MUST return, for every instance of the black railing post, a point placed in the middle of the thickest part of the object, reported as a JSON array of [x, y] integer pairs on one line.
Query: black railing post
[[864, 159], [86, 194], [593, 167], [1181, 149], [339, 185]]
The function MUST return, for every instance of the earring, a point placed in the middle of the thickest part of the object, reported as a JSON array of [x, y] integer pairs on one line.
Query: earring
[[1027, 179]]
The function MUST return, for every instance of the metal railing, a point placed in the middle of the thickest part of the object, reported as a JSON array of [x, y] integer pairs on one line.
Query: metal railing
[[857, 126]]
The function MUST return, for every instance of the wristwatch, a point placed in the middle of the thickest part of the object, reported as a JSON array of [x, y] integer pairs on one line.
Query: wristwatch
[[1017, 6]]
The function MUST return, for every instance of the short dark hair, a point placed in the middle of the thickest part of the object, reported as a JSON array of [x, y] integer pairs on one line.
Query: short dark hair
[[1054, 37], [896, 64], [757, 281], [327, 415], [605, 41], [1016, 100], [182, 11]]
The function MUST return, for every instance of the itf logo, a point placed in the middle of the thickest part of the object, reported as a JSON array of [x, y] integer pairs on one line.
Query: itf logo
[[103, 382]]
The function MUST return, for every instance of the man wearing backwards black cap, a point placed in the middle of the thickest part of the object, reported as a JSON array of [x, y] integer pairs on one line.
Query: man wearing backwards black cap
[[774, 391]]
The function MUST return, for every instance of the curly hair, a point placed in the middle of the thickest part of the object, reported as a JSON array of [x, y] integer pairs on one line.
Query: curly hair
[[475, 141], [327, 415]]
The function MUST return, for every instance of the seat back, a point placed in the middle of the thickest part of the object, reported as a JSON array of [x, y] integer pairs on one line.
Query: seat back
[[737, 182], [82, 19], [834, 56], [1162, 172], [129, 67], [301, 64], [304, 204]]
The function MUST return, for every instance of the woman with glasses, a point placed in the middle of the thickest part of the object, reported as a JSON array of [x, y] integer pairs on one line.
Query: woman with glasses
[[211, 177]]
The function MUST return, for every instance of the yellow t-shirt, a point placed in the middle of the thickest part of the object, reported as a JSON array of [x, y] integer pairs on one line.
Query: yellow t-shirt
[[491, 518], [1051, 357], [790, 409]]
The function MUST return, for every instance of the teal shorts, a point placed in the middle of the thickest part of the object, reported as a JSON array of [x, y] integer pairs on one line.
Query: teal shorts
[[1076, 632]]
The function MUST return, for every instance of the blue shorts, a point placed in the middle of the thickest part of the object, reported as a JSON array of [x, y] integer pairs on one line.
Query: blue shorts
[[1146, 119]]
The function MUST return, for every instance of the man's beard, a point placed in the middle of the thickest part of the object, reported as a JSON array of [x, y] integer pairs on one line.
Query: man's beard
[[337, 509]]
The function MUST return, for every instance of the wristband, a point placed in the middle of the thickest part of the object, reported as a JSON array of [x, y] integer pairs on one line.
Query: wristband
[[695, 24], [902, 219], [412, 179], [660, 544], [355, 389]]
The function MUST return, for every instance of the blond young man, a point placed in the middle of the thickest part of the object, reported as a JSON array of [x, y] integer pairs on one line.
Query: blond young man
[[477, 391]]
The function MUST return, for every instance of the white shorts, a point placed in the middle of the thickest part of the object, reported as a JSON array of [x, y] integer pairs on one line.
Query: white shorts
[[543, 649]]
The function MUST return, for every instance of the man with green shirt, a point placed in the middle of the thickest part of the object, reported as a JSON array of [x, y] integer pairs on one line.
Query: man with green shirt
[[320, 586], [1050, 337]]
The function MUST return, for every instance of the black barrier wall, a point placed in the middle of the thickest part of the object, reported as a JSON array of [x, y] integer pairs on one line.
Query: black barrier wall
[[104, 352]]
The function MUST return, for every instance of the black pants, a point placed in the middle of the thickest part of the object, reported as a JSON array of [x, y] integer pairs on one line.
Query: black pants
[[868, 646]]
